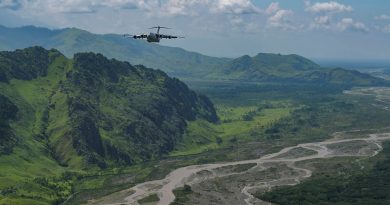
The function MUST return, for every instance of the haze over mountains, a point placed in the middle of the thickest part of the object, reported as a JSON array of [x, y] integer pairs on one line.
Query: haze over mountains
[[179, 62], [175, 61]]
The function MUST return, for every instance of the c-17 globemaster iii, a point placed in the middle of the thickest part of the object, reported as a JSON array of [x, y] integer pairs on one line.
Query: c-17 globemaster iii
[[153, 37]]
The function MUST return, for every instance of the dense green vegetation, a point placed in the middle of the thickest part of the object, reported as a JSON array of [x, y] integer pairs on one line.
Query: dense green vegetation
[[143, 112], [282, 115], [149, 199], [8, 111], [181, 194], [24, 64], [235, 124], [63, 118], [337, 183]]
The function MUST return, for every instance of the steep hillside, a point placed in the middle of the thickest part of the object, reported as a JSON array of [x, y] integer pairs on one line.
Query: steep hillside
[[88, 112], [7, 112], [175, 61], [289, 68]]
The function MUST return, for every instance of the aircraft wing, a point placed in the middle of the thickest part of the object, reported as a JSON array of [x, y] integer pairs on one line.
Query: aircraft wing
[[168, 36], [142, 36]]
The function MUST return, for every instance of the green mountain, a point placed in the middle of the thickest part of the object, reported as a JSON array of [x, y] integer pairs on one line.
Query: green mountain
[[289, 68], [181, 63], [266, 66], [88, 112], [174, 61]]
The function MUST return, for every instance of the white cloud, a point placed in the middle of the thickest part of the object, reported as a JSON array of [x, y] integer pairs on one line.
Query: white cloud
[[321, 22], [383, 17], [327, 7], [9, 4], [278, 17], [235, 7], [247, 24], [325, 13], [272, 8], [158, 7], [281, 19], [386, 29], [239, 15], [234, 15], [181, 7], [79, 6], [348, 24], [195, 7]]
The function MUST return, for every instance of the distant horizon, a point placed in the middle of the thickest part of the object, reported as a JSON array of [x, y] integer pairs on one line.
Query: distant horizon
[[350, 63]]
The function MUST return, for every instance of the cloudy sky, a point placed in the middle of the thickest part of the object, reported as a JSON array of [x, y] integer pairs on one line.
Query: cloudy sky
[[340, 29]]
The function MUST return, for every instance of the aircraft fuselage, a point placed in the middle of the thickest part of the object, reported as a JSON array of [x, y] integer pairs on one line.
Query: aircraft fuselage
[[153, 37]]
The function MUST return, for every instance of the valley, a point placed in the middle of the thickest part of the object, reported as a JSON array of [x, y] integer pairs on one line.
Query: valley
[[238, 182], [102, 131], [196, 174], [93, 130]]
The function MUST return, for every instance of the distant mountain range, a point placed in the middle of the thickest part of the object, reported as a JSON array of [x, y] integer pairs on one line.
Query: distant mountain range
[[174, 61], [181, 63], [290, 68], [266, 67]]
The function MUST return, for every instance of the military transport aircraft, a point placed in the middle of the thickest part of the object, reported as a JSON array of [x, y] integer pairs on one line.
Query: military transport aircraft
[[153, 37]]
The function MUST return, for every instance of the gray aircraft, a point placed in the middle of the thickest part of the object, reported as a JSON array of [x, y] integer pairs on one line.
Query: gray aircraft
[[153, 37]]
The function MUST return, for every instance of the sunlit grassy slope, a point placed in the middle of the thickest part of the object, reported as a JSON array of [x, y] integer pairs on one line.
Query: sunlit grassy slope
[[236, 122], [32, 157]]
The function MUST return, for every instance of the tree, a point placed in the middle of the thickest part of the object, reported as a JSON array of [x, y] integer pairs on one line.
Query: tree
[[219, 140], [187, 188]]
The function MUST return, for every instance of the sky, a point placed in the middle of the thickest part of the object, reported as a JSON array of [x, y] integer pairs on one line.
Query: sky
[[341, 29]]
